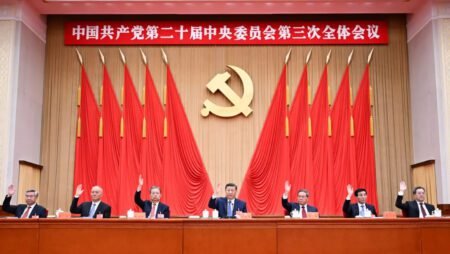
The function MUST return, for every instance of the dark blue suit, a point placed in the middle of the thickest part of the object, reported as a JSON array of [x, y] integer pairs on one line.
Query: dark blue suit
[[85, 207], [19, 209], [146, 206], [352, 210], [296, 206], [221, 205], [410, 208]]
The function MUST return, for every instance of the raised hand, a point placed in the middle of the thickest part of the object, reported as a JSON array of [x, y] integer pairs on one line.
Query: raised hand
[[402, 186], [141, 180], [11, 190], [217, 193], [287, 188], [79, 190], [349, 190]]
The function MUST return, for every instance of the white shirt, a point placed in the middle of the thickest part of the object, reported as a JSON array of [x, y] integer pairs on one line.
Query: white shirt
[[306, 209], [156, 209], [29, 212], [420, 209]]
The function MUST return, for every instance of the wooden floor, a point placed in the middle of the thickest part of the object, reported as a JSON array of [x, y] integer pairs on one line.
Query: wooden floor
[[225, 236]]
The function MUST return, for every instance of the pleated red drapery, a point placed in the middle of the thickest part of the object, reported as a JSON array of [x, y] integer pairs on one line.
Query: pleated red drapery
[[263, 184], [86, 146], [344, 167], [322, 147], [365, 158], [130, 168], [152, 137], [301, 174], [187, 188], [109, 145]]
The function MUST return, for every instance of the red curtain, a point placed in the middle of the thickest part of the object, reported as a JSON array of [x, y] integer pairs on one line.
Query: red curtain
[[322, 147], [131, 145], [86, 146], [365, 158], [109, 145], [187, 188], [344, 169], [152, 142], [263, 184], [301, 175]]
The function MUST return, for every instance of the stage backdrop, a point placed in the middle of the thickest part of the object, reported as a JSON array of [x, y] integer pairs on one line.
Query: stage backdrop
[[226, 145]]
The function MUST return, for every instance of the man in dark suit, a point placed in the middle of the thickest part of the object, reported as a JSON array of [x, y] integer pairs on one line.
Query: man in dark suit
[[229, 205], [29, 210], [361, 208], [153, 208], [301, 206], [416, 208], [93, 208]]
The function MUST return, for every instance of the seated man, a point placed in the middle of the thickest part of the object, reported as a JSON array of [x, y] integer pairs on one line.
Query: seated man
[[416, 208], [301, 206], [153, 208], [28, 210], [93, 208], [229, 205], [357, 209]]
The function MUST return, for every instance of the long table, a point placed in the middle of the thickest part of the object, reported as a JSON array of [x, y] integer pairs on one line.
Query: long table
[[193, 236]]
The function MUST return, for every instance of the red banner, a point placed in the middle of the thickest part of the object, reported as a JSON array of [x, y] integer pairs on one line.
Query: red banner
[[225, 33]]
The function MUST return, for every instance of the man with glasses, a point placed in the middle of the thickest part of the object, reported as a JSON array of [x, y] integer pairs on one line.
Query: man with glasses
[[302, 202], [29, 210], [416, 208]]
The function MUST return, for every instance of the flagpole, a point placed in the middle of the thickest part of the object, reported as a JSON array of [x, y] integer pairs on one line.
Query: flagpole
[[369, 60], [100, 126], [288, 103], [144, 120], [329, 95], [166, 62], [308, 57], [352, 127]]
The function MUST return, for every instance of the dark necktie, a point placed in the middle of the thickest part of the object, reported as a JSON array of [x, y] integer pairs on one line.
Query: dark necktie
[[303, 212], [422, 209]]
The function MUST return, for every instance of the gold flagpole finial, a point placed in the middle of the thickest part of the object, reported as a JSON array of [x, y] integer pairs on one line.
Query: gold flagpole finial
[[144, 57], [369, 58], [164, 56], [122, 56], [350, 57], [308, 56], [328, 57], [102, 57], [80, 59], [288, 56]]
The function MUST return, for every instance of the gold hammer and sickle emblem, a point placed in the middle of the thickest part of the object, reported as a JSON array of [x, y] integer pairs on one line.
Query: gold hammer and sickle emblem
[[240, 104]]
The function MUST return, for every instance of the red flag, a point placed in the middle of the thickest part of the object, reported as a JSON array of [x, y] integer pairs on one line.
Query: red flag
[[130, 168], [263, 184], [109, 145], [344, 168], [187, 185], [322, 147], [301, 175], [152, 136], [86, 146], [365, 158]]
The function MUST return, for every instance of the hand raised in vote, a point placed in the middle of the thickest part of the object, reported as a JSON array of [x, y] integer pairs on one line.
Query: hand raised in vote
[[11, 190], [402, 186], [79, 190], [287, 187]]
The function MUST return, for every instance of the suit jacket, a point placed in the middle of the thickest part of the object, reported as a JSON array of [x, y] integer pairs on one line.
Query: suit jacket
[[85, 207], [18, 210], [146, 206], [221, 205], [296, 206], [352, 210], [411, 208]]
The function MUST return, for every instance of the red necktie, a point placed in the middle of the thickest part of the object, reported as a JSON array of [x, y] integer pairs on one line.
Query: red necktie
[[153, 212], [25, 214], [422, 209], [303, 212]]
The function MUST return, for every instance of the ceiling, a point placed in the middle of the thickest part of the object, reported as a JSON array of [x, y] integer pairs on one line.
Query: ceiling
[[223, 7]]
